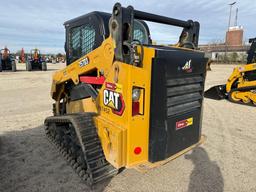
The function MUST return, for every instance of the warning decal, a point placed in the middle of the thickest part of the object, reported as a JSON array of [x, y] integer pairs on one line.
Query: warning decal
[[184, 123]]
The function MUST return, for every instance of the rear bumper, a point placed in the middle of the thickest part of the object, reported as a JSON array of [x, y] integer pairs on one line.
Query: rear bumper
[[145, 167]]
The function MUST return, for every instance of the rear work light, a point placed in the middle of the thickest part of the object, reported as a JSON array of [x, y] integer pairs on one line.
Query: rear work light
[[135, 94], [137, 101]]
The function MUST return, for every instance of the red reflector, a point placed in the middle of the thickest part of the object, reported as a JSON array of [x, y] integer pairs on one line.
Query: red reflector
[[137, 150], [92, 80], [135, 108]]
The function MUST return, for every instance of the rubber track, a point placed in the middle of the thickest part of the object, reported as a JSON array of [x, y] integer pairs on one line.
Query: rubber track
[[97, 168], [242, 90]]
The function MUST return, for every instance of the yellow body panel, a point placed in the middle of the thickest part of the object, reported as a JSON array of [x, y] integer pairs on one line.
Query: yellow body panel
[[134, 128], [238, 74], [84, 105], [119, 135]]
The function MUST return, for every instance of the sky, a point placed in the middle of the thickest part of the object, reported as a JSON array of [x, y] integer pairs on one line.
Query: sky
[[32, 23]]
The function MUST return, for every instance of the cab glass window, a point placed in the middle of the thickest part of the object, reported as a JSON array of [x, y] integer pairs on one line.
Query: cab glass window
[[140, 33], [82, 40]]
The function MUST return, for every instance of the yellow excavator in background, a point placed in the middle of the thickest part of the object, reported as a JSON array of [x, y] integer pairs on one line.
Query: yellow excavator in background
[[122, 102], [241, 85]]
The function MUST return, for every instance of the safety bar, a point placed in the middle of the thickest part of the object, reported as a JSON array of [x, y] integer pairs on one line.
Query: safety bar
[[161, 19], [121, 29]]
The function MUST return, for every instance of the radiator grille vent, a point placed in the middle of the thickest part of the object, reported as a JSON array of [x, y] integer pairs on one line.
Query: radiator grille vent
[[184, 94]]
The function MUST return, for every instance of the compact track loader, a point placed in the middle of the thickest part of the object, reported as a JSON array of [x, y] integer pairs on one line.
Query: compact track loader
[[35, 61], [7, 62], [122, 102], [241, 85]]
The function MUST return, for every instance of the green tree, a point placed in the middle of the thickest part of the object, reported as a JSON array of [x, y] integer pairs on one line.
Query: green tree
[[234, 57], [59, 55]]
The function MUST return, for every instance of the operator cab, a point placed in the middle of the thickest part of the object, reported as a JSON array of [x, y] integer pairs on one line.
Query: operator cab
[[252, 51], [251, 58], [87, 32]]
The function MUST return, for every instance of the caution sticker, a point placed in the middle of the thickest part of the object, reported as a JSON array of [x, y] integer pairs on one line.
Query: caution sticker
[[184, 123], [114, 86]]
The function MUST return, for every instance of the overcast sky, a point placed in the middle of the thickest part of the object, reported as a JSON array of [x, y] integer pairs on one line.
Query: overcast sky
[[32, 23]]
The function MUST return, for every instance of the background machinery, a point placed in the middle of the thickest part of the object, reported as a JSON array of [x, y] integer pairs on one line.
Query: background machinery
[[7, 62], [121, 101], [241, 85], [22, 56], [35, 61]]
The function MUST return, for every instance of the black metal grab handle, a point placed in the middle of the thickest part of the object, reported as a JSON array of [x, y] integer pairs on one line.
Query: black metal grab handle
[[161, 19]]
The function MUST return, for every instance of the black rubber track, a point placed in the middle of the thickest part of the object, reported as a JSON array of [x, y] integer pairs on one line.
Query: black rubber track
[[76, 138]]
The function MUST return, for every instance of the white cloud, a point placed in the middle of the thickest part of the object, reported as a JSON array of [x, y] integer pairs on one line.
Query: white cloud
[[31, 23]]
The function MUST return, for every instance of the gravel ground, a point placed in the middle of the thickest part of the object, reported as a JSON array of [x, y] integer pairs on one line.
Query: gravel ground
[[28, 162]]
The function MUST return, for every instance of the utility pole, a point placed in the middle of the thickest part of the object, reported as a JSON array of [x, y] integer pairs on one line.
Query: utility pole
[[230, 13], [236, 17], [229, 22]]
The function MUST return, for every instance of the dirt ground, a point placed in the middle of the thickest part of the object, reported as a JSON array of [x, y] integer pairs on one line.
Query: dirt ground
[[28, 162]]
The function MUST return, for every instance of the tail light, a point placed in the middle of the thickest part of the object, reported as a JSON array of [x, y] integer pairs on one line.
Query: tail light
[[135, 108], [137, 101]]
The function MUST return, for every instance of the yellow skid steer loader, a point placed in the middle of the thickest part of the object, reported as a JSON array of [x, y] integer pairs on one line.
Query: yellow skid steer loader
[[241, 85], [122, 102]]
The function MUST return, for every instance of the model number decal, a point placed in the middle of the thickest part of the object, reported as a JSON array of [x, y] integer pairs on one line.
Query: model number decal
[[84, 62], [184, 123]]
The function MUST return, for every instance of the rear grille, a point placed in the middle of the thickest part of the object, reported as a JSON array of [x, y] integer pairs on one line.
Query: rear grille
[[184, 94], [175, 102]]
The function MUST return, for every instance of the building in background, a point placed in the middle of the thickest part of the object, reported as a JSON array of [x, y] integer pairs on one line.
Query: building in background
[[233, 50], [222, 53], [234, 36]]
